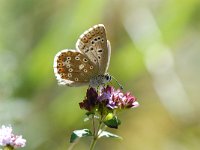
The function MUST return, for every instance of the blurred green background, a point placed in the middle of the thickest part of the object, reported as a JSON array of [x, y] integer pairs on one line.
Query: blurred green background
[[155, 55]]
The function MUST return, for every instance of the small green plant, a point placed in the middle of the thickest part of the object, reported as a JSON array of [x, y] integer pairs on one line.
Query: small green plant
[[102, 107]]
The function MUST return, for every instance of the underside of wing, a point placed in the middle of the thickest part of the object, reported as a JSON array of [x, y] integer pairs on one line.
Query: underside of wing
[[73, 68], [93, 43]]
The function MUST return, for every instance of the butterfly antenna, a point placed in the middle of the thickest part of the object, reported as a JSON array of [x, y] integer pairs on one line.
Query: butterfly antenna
[[121, 87]]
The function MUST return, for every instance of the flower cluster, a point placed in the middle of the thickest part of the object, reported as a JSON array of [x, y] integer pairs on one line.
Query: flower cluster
[[7, 138], [90, 102], [109, 99]]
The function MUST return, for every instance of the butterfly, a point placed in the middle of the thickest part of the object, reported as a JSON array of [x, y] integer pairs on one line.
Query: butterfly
[[88, 63]]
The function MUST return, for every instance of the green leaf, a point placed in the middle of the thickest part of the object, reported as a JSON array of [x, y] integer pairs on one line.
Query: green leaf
[[108, 135], [114, 122], [79, 134]]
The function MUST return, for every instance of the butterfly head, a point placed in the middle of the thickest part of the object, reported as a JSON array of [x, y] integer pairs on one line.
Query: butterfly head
[[100, 80]]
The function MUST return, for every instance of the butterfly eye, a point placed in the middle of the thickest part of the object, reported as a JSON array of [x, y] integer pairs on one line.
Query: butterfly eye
[[107, 77]]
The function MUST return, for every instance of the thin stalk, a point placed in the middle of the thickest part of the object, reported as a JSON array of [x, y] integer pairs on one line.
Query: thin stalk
[[94, 141], [93, 124], [96, 134]]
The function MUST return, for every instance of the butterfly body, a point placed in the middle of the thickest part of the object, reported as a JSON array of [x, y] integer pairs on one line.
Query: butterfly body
[[99, 80], [87, 64]]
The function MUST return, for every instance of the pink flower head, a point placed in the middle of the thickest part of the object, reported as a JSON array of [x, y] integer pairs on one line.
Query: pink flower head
[[116, 99], [18, 141], [7, 138], [108, 98], [5, 135]]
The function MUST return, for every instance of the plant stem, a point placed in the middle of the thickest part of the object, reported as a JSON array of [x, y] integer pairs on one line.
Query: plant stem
[[93, 124], [94, 141], [95, 137], [96, 134]]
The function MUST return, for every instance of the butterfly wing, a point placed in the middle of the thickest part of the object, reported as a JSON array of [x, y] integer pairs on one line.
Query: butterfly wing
[[73, 68], [94, 44]]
